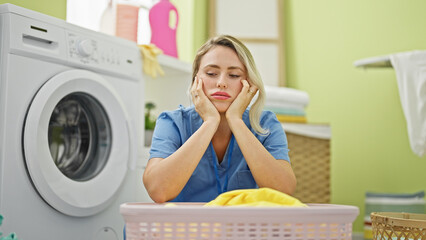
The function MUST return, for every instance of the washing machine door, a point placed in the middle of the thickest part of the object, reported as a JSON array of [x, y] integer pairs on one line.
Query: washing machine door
[[77, 142]]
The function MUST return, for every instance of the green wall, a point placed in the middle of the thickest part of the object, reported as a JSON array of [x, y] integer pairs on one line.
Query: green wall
[[184, 39], [369, 148], [55, 8], [192, 27]]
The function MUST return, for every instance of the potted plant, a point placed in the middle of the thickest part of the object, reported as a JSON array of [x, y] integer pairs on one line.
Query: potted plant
[[149, 123]]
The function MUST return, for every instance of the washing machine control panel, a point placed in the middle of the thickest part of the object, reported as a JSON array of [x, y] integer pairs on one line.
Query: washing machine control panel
[[106, 55], [91, 51]]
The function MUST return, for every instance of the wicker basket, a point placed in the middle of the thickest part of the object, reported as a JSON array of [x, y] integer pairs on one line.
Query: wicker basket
[[398, 226], [310, 159]]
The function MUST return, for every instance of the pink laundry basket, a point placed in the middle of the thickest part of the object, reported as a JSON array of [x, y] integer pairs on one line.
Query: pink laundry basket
[[189, 221]]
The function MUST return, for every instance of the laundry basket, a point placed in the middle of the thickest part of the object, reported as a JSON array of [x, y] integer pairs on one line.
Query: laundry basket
[[398, 226], [189, 221]]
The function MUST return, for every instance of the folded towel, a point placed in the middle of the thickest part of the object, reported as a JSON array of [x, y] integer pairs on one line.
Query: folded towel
[[410, 68], [294, 119], [284, 94], [284, 105], [150, 62], [262, 197], [285, 111]]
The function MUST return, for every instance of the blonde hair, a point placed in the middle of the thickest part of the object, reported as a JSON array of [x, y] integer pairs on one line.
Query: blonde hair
[[253, 74]]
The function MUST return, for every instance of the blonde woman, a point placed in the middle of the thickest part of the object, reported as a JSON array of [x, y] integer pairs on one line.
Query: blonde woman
[[219, 144]]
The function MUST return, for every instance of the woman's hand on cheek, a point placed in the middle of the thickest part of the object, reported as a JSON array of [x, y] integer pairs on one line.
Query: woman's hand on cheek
[[242, 101], [203, 105]]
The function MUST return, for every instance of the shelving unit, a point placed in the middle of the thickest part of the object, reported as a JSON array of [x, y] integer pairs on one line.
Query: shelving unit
[[170, 90], [166, 92]]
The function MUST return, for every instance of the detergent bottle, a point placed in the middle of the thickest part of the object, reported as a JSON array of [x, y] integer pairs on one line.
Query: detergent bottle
[[107, 24], [127, 20], [163, 33]]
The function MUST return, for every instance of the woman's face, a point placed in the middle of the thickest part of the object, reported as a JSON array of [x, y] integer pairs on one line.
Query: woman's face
[[221, 71]]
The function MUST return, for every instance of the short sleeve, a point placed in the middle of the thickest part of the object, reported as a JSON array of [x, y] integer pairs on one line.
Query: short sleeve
[[166, 137], [276, 141]]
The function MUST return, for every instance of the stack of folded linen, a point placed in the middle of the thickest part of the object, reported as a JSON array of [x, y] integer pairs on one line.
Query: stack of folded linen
[[287, 103]]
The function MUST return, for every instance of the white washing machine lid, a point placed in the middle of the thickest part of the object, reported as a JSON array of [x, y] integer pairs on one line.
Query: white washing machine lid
[[77, 197]]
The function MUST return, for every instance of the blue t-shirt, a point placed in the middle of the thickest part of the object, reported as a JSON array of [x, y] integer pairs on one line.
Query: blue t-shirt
[[172, 130]]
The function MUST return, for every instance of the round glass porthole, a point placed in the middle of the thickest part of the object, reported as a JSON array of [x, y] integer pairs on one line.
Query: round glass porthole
[[79, 136]]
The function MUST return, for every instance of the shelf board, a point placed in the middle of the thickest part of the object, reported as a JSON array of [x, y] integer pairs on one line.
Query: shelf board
[[321, 131], [374, 62]]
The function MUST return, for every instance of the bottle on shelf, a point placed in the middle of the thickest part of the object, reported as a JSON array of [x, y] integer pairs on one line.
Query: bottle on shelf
[[127, 20], [107, 22], [163, 19]]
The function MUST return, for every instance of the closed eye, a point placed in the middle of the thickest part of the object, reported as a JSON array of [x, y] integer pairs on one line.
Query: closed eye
[[234, 76], [211, 74]]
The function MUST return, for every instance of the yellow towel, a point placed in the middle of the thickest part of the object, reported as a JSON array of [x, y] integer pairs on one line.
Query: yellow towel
[[150, 62], [262, 197], [289, 118]]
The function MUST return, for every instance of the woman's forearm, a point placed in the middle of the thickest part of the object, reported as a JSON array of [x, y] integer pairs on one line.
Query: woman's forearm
[[266, 170], [165, 178]]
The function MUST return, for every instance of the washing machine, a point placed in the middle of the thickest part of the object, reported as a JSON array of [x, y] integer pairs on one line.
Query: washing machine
[[70, 128]]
